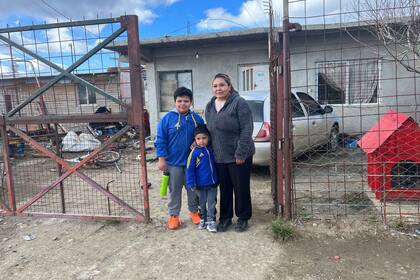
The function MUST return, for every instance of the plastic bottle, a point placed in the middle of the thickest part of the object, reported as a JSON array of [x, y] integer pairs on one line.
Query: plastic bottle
[[164, 184]]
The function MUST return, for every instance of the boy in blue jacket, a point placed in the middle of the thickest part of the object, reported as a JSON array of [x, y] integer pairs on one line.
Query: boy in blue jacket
[[175, 134], [202, 177]]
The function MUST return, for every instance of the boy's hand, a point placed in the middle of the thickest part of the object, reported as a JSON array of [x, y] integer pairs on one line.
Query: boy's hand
[[193, 145], [162, 164], [239, 161]]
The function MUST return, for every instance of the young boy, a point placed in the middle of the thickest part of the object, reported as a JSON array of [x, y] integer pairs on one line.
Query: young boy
[[175, 134], [202, 177]]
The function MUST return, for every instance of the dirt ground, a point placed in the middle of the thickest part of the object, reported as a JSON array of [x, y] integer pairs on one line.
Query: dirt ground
[[73, 249]]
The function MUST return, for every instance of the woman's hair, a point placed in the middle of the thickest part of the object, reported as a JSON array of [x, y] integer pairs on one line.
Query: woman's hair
[[226, 78]]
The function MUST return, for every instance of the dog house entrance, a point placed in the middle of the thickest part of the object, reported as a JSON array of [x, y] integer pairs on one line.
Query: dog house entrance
[[405, 174]]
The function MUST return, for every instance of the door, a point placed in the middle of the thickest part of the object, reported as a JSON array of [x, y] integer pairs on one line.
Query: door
[[299, 127], [317, 125], [254, 77]]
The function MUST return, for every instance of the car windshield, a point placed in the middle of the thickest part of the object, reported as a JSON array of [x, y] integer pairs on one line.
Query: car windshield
[[257, 109]]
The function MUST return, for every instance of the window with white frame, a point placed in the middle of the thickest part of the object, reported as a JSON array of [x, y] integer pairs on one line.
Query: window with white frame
[[168, 83], [348, 82], [86, 96]]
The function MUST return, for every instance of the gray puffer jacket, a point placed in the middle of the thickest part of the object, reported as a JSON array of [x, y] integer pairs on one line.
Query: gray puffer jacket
[[231, 129]]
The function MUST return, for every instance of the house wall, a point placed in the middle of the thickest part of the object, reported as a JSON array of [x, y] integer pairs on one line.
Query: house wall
[[62, 98], [212, 59], [398, 88]]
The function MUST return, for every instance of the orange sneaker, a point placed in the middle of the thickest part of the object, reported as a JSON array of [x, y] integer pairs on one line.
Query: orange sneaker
[[195, 217], [173, 222]]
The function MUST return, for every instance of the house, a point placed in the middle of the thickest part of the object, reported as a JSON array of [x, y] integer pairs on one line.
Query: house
[[356, 77], [67, 96]]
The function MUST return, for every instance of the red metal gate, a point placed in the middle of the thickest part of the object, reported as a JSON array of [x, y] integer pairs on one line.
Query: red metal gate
[[38, 179]]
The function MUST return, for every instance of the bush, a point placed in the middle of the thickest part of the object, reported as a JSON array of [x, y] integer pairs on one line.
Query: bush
[[282, 230]]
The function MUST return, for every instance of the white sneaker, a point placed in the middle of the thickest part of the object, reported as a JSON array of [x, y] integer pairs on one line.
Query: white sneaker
[[202, 224], [212, 226]]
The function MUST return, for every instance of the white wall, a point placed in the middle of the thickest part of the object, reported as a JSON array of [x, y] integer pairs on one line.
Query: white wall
[[212, 59], [398, 88]]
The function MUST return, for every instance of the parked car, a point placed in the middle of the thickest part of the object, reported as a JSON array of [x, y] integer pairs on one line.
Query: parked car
[[313, 125]]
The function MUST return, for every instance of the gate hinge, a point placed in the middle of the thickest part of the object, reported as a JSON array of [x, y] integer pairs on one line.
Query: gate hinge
[[281, 143], [279, 69]]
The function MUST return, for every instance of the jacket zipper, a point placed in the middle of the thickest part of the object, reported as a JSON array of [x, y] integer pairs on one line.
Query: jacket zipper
[[211, 167]]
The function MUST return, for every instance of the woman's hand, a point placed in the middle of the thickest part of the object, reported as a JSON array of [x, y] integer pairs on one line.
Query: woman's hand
[[162, 164], [239, 161]]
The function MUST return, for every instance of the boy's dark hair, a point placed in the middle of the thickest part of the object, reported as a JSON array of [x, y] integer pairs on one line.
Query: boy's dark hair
[[183, 91], [201, 129]]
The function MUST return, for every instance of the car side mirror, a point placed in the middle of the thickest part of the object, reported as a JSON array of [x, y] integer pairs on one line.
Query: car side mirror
[[321, 111], [328, 109]]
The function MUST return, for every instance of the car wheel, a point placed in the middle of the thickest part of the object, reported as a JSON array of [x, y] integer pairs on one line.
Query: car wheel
[[333, 139]]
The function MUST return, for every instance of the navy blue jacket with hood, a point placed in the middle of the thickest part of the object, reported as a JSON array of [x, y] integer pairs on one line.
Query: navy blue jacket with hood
[[175, 134], [201, 169]]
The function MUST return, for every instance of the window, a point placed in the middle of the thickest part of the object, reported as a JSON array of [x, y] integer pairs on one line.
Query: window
[[168, 83], [297, 111], [348, 82], [86, 97], [311, 106]]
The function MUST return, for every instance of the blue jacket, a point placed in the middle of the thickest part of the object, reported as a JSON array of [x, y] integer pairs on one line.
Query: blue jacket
[[175, 134], [201, 169]]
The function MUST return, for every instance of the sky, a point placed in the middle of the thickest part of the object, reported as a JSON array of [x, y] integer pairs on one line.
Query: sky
[[162, 17], [156, 18]]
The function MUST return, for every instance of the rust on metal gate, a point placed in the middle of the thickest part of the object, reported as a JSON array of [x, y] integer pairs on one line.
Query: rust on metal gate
[[50, 181]]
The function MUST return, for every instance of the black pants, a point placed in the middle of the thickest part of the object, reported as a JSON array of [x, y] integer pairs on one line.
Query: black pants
[[235, 181]]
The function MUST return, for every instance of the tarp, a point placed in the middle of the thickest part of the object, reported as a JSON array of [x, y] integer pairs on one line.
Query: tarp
[[82, 143]]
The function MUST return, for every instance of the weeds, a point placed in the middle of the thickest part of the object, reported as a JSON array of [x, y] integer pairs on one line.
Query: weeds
[[402, 226], [303, 215], [357, 200], [282, 230]]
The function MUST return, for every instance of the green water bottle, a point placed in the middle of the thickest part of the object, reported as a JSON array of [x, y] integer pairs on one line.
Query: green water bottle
[[164, 184]]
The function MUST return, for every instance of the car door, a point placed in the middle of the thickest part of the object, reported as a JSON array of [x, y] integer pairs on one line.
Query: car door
[[299, 127], [317, 125]]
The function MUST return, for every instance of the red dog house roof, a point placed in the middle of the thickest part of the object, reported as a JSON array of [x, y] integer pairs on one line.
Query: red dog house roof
[[382, 130]]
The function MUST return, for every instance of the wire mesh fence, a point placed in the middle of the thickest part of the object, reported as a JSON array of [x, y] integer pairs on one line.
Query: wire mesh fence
[[116, 169], [73, 130], [354, 69]]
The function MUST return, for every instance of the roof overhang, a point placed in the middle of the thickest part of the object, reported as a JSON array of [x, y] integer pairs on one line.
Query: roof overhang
[[241, 35]]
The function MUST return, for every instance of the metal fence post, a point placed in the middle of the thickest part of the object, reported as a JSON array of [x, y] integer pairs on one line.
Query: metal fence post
[[8, 168], [136, 114], [287, 151], [280, 134]]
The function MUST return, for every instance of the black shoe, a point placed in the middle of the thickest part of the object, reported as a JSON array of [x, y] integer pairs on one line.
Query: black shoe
[[241, 225], [224, 225]]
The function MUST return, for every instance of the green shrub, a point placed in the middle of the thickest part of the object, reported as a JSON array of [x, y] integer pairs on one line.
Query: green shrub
[[282, 230]]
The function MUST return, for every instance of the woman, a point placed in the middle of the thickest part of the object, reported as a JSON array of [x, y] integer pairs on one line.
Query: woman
[[229, 120]]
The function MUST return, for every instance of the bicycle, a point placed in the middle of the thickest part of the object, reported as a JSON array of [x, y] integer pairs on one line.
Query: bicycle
[[102, 159]]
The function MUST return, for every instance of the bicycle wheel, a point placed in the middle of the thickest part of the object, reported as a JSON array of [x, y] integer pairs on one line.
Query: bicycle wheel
[[107, 158]]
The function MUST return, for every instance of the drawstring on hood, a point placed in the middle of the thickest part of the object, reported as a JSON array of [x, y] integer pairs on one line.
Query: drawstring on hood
[[174, 136], [178, 124]]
